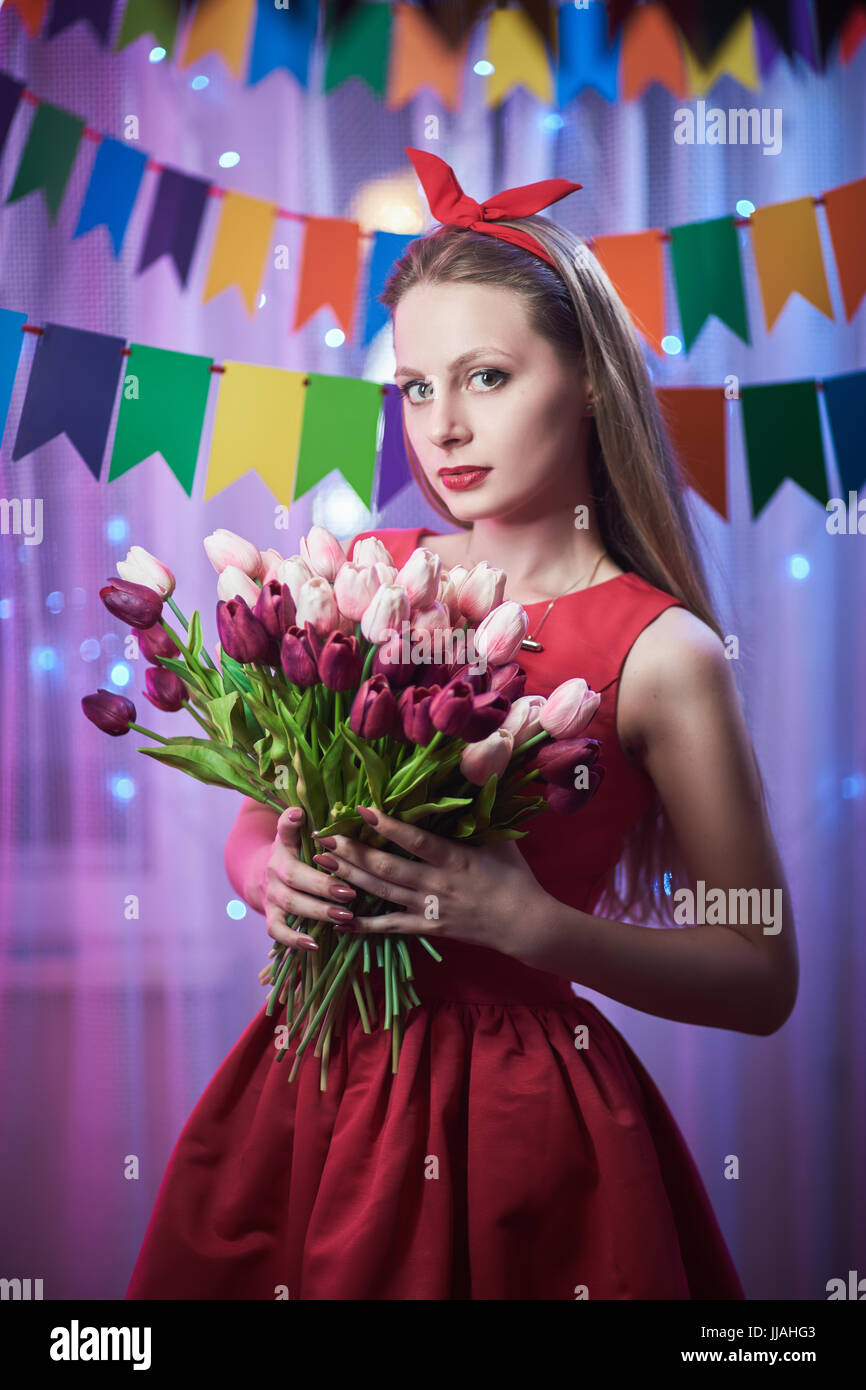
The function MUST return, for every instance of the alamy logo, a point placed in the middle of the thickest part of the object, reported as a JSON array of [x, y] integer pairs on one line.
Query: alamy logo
[[737, 126], [23, 1289], [76, 1343]]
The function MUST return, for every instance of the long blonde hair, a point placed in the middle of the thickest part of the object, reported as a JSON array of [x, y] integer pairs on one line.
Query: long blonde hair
[[636, 482]]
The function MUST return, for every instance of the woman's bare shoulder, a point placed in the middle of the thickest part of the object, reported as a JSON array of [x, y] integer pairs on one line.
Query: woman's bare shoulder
[[675, 657]]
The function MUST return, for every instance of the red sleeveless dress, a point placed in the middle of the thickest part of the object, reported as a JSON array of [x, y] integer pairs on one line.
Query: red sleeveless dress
[[504, 1160]]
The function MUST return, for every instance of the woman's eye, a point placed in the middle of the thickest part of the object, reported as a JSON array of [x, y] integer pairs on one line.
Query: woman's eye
[[489, 371], [410, 386]]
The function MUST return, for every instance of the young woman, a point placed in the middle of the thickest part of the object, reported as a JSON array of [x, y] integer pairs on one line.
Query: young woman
[[522, 1151]]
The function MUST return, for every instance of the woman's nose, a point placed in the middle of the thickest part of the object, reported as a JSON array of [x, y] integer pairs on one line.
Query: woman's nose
[[446, 421]]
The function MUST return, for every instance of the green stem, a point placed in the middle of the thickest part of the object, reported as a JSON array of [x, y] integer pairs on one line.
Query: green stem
[[176, 611], [140, 729], [208, 728]]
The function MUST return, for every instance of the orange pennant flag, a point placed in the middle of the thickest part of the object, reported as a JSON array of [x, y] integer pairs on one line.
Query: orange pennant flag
[[694, 417], [31, 13], [788, 256], [330, 266], [846, 217], [635, 264], [651, 52], [220, 26], [242, 242], [420, 57], [257, 426]]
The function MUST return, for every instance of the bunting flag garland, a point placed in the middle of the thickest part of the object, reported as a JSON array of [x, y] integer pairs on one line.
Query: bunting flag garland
[[787, 251], [635, 264], [388, 247], [329, 270], [846, 217], [242, 243], [294, 428], [48, 156], [175, 220], [708, 277], [114, 183], [553, 49]]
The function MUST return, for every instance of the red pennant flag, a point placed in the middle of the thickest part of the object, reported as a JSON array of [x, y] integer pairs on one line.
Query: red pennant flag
[[330, 267], [694, 418]]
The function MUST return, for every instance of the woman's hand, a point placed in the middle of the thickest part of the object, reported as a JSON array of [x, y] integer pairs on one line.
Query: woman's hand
[[291, 886], [482, 894]]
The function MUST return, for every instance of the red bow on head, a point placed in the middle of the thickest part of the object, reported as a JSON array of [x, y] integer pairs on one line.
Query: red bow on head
[[449, 204]]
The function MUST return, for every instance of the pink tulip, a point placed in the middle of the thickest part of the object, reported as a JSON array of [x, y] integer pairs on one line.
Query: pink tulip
[[420, 577], [295, 572], [569, 709], [317, 605], [354, 588], [522, 719], [500, 634], [271, 561], [432, 618], [492, 754], [449, 588], [225, 548], [385, 574], [371, 551], [323, 552], [481, 591], [384, 614], [234, 583], [143, 568]]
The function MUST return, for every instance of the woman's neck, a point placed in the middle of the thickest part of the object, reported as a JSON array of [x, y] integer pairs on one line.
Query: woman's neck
[[546, 553]]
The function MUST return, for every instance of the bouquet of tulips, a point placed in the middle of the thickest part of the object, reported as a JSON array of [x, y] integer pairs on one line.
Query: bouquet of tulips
[[342, 683]]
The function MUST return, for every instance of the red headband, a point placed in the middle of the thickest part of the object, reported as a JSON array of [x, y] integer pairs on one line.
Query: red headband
[[450, 205]]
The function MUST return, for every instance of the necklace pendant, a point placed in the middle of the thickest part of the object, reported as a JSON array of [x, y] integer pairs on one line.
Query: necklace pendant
[[529, 644]]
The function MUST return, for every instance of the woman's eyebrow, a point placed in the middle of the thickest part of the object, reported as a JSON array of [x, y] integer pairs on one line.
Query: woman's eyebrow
[[458, 362]]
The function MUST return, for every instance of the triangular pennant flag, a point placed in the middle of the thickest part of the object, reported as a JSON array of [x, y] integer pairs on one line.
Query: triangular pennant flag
[[802, 34], [31, 13], [283, 38], [853, 33], [788, 256], [243, 239], [782, 430], [223, 27], [359, 47], [516, 51], [10, 96], [161, 18], [737, 57], [388, 247], [162, 408], [454, 19], [394, 472], [694, 417], [48, 156], [587, 56], [708, 277], [65, 12], [420, 57], [705, 28], [845, 399], [651, 52], [769, 49], [11, 343], [845, 207], [341, 416], [71, 391], [635, 263], [329, 272], [114, 183], [777, 16], [175, 218], [257, 427]]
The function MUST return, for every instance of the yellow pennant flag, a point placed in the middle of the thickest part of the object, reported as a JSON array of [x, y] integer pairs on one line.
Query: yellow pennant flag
[[516, 50], [736, 56], [788, 256], [242, 243], [220, 26], [257, 426]]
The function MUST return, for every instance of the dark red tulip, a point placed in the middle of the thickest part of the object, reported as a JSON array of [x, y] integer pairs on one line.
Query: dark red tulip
[[479, 680], [559, 759], [340, 662], [564, 800], [298, 657], [242, 636], [451, 709], [413, 709], [154, 642], [275, 610], [164, 689], [374, 709], [134, 604], [488, 712], [111, 713], [398, 673], [510, 679]]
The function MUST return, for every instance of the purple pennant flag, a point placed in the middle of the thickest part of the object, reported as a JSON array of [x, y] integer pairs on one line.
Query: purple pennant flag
[[802, 33], [65, 12], [175, 220], [10, 95], [768, 45], [72, 387], [393, 462]]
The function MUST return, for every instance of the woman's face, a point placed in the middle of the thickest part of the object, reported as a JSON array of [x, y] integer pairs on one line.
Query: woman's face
[[513, 408]]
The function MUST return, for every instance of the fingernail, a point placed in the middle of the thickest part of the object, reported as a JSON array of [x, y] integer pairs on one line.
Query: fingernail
[[329, 842], [342, 891], [339, 914], [366, 814], [296, 814], [326, 861]]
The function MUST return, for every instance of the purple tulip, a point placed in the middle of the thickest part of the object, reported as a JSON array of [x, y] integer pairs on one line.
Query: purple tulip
[[134, 604], [154, 643], [479, 680], [559, 760], [374, 709], [275, 610], [413, 709], [164, 689], [111, 713], [242, 636], [488, 712], [340, 662], [510, 679], [388, 662], [298, 657], [451, 709], [564, 800]]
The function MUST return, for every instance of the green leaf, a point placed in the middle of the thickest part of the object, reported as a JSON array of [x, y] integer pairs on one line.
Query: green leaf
[[376, 770], [332, 770], [430, 808], [465, 826], [311, 789], [220, 711], [180, 668], [203, 760], [235, 672], [194, 637], [484, 803], [494, 833]]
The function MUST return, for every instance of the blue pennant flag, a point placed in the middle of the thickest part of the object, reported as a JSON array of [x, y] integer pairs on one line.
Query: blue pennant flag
[[845, 398], [587, 58], [11, 343], [111, 193], [387, 248], [283, 38]]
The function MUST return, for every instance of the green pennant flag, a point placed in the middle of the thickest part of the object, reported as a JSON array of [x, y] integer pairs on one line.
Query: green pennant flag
[[782, 429], [708, 277], [48, 156], [358, 46], [157, 17], [161, 411], [341, 415]]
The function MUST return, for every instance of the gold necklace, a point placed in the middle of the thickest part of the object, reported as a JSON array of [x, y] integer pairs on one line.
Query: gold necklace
[[530, 643]]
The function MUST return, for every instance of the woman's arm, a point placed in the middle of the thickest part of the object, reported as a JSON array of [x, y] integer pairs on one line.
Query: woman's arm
[[248, 849], [679, 712]]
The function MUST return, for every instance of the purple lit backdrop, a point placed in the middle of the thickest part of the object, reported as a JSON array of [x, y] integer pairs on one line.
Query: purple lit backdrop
[[111, 1028]]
